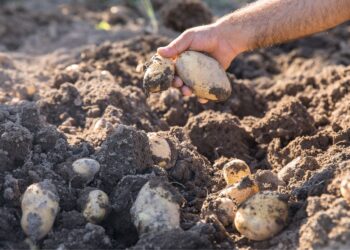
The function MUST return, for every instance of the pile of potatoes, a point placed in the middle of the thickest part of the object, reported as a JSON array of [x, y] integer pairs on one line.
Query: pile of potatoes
[[256, 215]]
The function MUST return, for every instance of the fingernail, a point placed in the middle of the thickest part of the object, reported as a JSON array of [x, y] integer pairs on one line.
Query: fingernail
[[163, 50]]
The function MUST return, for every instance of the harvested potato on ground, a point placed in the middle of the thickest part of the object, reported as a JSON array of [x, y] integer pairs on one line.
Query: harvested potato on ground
[[40, 205], [235, 170], [345, 187], [203, 75], [96, 206], [161, 151], [86, 168], [241, 191], [156, 207], [159, 74], [262, 216], [222, 207]]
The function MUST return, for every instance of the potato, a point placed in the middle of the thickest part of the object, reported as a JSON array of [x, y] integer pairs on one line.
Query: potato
[[222, 207], [159, 74], [241, 191], [156, 208], [86, 168], [96, 207], [40, 205], [203, 75], [235, 170], [262, 216], [161, 151], [345, 187]]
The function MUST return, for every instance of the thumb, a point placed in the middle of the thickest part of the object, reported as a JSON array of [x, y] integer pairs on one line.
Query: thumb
[[176, 47]]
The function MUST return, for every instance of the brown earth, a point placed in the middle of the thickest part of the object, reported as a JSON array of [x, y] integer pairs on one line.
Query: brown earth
[[69, 91]]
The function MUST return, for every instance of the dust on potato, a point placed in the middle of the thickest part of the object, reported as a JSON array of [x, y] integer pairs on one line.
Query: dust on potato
[[159, 74], [86, 168], [262, 216], [203, 75], [222, 207], [40, 205], [235, 170], [156, 207]]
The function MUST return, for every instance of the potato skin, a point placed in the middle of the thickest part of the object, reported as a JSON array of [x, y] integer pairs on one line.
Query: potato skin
[[262, 216], [203, 75], [235, 170], [159, 74]]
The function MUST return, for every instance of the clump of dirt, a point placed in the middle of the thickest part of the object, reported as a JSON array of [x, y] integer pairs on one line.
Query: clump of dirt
[[180, 15]]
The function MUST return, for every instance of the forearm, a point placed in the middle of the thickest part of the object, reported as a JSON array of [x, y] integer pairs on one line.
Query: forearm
[[269, 22]]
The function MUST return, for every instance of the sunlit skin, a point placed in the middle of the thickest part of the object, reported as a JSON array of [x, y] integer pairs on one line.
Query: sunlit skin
[[261, 24]]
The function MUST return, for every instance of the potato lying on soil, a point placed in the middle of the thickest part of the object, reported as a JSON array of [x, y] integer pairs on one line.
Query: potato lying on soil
[[159, 74], [222, 207], [95, 204], [345, 187], [235, 170], [40, 205], [161, 151], [262, 216], [86, 168], [241, 191], [156, 207], [203, 75]]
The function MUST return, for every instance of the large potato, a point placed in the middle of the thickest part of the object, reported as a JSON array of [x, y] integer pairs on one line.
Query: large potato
[[203, 75], [159, 74], [39, 209], [262, 216]]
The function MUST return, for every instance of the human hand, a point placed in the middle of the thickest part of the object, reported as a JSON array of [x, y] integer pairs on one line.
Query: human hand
[[210, 39]]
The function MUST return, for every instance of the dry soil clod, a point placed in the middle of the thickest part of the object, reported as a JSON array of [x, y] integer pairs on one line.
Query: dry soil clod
[[262, 216], [40, 205], [235, 170]]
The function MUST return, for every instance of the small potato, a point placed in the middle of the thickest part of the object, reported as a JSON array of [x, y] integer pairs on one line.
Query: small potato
[[203, 75], [96, 207], [345, 187], [262, 216], [86, 168], [222, 207], [161, 151], [159, 74], [235, 170], [40, 205], [241, 191], [156, 208]]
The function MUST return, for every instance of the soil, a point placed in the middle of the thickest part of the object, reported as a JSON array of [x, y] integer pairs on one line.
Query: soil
[[69, 90]]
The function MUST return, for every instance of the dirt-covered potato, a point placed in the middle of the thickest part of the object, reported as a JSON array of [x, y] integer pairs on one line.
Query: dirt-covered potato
[[241, 191], [159, 74], [86, 168], [161, 151], [235, 170], [262, 216], [156, 208], [203, 75], [96, 206], [40, 205], [345, 187]]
